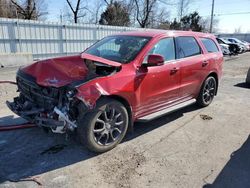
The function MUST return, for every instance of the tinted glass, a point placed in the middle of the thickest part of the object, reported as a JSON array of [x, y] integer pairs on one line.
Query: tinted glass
[[121, 49], [225, 41], [187, 46], [219, 41], [209, 45], [164, 47], [231, 40]]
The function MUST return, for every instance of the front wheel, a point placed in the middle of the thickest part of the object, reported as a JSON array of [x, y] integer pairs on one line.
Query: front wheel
[[104, 127], [207, 92]]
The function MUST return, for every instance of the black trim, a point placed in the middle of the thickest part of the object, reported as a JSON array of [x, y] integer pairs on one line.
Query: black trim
[[35, 93], [175, 48], [26, 77]]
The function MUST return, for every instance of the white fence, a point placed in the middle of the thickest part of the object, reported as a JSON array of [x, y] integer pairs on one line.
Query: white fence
[[45, 39]]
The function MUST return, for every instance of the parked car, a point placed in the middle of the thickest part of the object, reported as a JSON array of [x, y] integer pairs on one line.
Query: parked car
[[237, 41], [235, 49], [127, 77], [247, 44], [225, 49]]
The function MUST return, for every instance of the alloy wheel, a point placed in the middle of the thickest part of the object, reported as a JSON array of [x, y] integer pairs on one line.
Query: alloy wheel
[[109, 126], [209, 91]]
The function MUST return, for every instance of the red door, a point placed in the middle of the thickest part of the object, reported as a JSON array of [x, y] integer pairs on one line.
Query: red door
[[193, 72], [158, 86], [193, 66]]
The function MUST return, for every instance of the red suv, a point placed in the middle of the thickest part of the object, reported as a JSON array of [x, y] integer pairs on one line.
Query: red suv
[[120, 79]]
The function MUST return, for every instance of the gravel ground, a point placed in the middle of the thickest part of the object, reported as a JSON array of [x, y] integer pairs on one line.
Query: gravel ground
[[208, 147]]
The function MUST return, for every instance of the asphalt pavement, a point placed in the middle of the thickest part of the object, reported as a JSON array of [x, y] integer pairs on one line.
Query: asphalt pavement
[[194, 147]]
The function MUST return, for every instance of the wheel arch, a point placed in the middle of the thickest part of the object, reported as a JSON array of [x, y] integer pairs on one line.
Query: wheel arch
[[126, 105]]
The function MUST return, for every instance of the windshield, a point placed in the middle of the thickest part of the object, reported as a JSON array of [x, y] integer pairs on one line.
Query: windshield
[[225, 41], [122, 49]]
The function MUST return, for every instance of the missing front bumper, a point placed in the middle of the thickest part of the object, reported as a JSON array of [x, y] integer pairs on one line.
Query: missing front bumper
[[57, 120]]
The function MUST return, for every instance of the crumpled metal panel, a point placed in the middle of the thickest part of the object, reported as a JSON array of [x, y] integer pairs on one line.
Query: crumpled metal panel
[[89, 95], [58, 72], [115, 85]]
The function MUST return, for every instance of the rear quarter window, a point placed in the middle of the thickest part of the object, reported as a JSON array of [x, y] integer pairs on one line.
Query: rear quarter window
[[187, 46], [209, 45]]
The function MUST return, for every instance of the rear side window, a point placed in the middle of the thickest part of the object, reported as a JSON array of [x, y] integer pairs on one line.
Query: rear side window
[[187, 46], [209, 45]]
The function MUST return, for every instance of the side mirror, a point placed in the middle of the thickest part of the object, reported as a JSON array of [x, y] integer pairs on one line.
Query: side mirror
[[155, 60]]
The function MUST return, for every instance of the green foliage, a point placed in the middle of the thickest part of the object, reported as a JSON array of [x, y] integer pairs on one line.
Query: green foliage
[[192, 21], [175, 25], [188, 22], [116, 13]]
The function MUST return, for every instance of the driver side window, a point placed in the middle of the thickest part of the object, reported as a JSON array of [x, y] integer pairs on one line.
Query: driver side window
[[165, 47]]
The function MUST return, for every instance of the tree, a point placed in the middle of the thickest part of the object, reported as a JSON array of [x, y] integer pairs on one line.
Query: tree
[[95, 12], [175, 25], [164, 25], [182, 7], [160, 20], [115, 14], [109, 2], [29, 9], [144, 9], [191, 21], [7, 10], [77, 11], [205, 23]]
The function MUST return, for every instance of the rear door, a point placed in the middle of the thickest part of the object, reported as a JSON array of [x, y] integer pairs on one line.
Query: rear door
[[193, 65], [213, 55]]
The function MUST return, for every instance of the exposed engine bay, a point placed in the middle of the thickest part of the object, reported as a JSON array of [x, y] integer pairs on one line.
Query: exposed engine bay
[[55, 108]]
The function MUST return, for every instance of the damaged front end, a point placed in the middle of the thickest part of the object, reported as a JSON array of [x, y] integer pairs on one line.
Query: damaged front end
[[45, 106], [50, 104]]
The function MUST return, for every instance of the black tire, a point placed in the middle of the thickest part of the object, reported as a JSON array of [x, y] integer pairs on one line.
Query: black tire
[[207, 92], [91, 126]]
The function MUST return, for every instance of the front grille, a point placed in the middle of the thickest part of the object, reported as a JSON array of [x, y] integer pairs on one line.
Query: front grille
[[45, 97]]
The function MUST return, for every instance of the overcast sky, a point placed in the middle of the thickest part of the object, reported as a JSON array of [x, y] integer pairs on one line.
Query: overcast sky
[[227, 23]]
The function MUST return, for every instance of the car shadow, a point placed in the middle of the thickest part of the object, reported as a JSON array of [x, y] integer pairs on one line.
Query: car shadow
[[243, 85], [29, 152], [11, 120], [141, 128], [236, 173]]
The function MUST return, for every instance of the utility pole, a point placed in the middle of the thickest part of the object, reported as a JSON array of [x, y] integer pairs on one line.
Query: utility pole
[[61, 16], [212, 18], [181, 9]]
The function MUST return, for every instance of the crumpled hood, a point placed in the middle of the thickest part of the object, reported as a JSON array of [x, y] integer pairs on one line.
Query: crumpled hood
[[58, 72]]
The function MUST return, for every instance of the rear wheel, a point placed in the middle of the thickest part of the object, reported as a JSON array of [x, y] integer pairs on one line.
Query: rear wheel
[[207, 92], [104, 127]]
